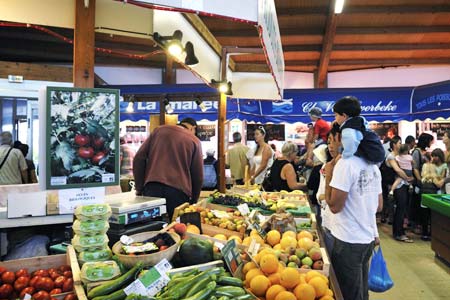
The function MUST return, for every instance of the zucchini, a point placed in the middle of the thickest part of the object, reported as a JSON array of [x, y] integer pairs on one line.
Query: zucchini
[[115, 284], [200, 285], [244, 297], [234, 291], [184, 274], [222, 294], [117, 295], [204, 294], [224, 298], [227, 280]]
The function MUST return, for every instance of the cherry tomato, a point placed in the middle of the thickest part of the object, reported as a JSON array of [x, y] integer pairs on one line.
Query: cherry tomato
[[55, 291], [60, 281], [34, 280], [99, 142], [98, 157], [70, 297], [85, 152], [45, 283], [68, 285], [5, 290], [21, 283], [22, 272], [8, 277], [68, 274], [28, 290], [82, 139], [42, 273], [41, 295]]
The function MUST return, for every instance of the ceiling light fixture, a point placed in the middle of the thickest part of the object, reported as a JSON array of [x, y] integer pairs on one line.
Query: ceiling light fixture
[[175, 48], [191, 59], [130, 107], [223, 86], [338, 6], [201, 104], [167, 106]]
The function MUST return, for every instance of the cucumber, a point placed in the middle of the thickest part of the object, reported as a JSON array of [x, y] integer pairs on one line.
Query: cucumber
[[224, 298], [227, 280], [184, 274], [200, 285], [205, 293], [244, 297], [177, 280], [115, 284], [222, 294], [232, 290], [117, 295]]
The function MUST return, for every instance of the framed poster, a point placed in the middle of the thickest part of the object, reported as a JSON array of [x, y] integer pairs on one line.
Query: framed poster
[[82, 138], [437, 127], [206, 132], [384, 130], [274, 131]]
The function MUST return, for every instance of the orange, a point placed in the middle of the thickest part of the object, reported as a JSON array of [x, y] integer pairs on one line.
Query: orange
[[312, 274], [251, 274], [303, 278], [329, 293], [268, 263], [306, 234], [236, 238], [305, 291], [285, 295], [192, 229], [221, 237], [274, 278], [319, 285], [247, 241], [290, 277], [277, 247], [259, 285], [305, 243], [290, 233], [326, 297], [273, 237], [273, 291], [248, 266]]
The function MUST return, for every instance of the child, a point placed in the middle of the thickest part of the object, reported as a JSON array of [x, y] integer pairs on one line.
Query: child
[[429, 176], [438, 159], [406, 163], [356, 138]]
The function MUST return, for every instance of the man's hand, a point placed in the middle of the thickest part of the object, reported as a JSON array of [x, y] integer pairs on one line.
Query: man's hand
[[377, 241]]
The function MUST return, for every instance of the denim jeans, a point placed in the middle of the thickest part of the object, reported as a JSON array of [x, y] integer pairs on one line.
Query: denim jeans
[[351, 265], [174, 197], [401, 198]]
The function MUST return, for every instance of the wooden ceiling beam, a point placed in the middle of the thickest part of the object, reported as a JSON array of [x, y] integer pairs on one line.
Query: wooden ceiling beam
[[392, 61], [36, 71], [367, 47], [327, 46], [252, 67]]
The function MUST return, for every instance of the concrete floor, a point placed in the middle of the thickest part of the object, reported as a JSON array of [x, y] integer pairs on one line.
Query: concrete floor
[[416, 273]]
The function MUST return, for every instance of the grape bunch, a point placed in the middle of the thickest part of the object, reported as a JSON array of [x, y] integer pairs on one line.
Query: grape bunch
[[227, 200]]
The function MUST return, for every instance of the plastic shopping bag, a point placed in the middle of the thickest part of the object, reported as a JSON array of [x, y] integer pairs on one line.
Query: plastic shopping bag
[[379, 279]]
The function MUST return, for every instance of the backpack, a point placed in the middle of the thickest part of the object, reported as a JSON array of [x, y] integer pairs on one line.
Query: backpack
[[387, 174], [209, 176], [370, 148]]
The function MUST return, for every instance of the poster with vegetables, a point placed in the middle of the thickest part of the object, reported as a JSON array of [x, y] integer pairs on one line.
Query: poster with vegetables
[[82, 137]]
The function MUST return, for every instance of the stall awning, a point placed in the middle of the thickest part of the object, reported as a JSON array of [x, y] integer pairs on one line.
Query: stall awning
[[431, 101]]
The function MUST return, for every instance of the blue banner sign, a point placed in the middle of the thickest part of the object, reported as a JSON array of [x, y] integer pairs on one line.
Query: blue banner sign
[[429, 98]]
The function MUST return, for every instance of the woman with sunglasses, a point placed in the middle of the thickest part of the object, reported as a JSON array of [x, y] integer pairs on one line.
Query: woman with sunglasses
[[262, 159]]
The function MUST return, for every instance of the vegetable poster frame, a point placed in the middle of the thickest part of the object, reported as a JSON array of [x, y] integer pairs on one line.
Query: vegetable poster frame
[[82, 137]]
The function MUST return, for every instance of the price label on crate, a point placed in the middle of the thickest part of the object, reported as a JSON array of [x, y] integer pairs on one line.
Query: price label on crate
[[232, 256], [153, 281], [244, 209]]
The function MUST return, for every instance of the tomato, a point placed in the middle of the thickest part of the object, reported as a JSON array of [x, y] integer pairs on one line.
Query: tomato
[[2, 270], [85, 152], [68, 285], [8, 277], [51, 270], [98, 157], [54, 275], [22, 272], [70, 297], [68, 274], [41, 295], [42, 273], [82, 139], [99, 142], [45, 283], [5, 290], [21, 283], [64, 268], [28, 290], [55, 291], [60, 281], [162, 248], [34, 280]]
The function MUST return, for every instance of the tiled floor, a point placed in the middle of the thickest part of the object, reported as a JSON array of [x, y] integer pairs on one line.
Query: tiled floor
[[416, 273]]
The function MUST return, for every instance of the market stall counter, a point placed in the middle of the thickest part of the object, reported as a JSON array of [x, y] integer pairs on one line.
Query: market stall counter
[[440, 224]]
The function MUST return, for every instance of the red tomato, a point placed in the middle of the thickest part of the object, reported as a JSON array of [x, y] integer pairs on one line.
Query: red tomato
[[42, 273], [28, 290], [22, 272], [64, 268], [59, 282], [70, 297], [55, 291], [45, 283], [5, 290], [2, 270], [21, 283], [54, 275], [68, 274], [99, 142], [41, 295], [51, 270], [162, 248], [8, 277], [98, 157], [68, 285], [82, 139], [34, 280], [85, 152]]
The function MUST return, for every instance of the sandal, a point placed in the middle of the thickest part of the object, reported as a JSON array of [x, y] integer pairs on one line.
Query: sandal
[[404, 238]]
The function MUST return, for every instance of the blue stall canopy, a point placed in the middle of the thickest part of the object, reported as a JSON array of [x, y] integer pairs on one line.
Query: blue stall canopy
[[431, 101]]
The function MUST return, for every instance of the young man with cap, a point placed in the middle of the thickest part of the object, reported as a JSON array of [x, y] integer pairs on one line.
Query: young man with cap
[[169, 164], [321, 127]]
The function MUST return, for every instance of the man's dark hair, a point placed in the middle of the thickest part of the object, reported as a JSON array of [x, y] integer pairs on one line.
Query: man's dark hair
[[348, 105], [424, 141], [335, 129], [189, 121], [410, 139], [237, 137], [394, 141]]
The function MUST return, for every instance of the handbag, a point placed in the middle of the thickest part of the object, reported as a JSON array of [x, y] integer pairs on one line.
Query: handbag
[[267, 184], [379, 278]]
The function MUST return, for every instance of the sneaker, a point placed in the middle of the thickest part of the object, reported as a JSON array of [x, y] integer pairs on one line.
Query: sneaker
[[425, 238]]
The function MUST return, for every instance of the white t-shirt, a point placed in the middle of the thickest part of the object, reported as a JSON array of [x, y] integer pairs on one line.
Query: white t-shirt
[[356, 222], [325, 212]]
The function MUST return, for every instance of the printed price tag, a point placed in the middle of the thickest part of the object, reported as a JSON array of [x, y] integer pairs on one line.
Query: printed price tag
[[219, 245], [153, 281], [253, 247], [231, 255], [244, 209]]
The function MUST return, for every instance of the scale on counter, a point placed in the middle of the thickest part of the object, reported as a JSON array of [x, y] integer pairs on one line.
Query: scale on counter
[[130, 209]]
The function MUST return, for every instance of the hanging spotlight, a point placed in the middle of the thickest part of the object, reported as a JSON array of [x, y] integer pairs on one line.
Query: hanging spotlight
[[167, 106], [223, 86], [175, 48], [190, 59], [130, 107], [201, 104]]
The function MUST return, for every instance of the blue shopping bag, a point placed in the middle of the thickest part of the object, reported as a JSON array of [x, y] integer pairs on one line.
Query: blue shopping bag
[[379, 279]]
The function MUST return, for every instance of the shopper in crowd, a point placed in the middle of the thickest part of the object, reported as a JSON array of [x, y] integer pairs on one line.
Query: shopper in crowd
[[438, 159], [387, 145], [282, 172], [126, 158], [260, 159], [446, 140], [411, 142], [418, 213], [31, 168], [319, 159], [354, 198], [406, 163], [237, 159], [210, 171], [13, 167], [276, 153], [169, 164], [321, 127]]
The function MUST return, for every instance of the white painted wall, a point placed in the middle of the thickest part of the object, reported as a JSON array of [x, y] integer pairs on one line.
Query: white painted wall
[[27, 89], [129, 75], [298, 80], [186, 77]]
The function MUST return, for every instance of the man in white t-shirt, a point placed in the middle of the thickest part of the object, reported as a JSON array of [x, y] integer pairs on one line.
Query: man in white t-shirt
[[13, 167], [356, 196]]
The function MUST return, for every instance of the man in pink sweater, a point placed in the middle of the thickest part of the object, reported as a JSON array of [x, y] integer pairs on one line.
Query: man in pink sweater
[[169, 164]]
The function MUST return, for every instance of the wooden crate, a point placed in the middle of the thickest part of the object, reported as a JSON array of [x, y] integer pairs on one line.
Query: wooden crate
[[326, 264], [42, 262]]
